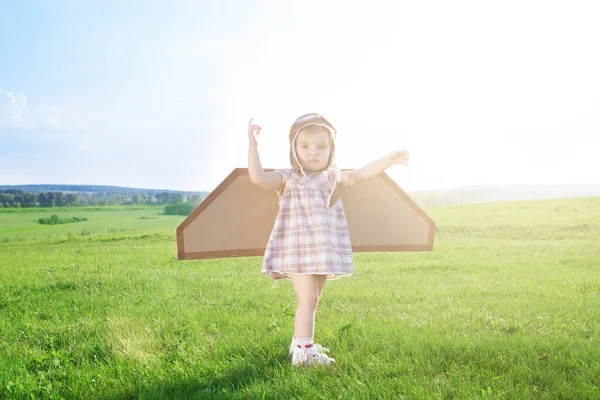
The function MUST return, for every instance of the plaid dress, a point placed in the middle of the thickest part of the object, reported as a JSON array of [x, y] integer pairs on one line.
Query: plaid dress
[[308, 237]]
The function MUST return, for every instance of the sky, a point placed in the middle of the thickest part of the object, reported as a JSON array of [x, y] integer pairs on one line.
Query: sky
[[158, 94]]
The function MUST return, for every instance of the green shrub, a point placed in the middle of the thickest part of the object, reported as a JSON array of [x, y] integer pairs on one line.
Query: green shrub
[[55, 220], [179, 209]]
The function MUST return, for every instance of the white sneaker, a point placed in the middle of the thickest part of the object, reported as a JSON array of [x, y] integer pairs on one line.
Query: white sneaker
[[310, 356]]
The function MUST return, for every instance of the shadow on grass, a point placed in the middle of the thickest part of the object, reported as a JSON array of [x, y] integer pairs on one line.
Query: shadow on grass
[[236, 382]]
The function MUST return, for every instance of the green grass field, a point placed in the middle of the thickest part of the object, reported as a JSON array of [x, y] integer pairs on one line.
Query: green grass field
[[507, 306], [20, 224]]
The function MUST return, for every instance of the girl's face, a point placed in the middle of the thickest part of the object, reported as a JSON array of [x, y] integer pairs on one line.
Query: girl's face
[[313, 148]]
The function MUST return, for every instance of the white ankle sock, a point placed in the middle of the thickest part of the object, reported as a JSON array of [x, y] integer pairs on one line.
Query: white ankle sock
[[300, 342]]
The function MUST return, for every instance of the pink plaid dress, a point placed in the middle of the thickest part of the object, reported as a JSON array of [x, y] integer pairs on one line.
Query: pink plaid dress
[[308, 237]]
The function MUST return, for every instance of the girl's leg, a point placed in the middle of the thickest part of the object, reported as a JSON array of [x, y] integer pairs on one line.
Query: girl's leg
[[308, 290], [322, 279]]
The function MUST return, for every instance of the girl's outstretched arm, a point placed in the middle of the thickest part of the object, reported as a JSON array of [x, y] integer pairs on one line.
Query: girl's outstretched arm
[[349, 178], [268, 180]]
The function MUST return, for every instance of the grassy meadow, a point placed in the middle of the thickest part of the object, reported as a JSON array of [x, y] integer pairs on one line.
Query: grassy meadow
[[507, 306], [20, 224]]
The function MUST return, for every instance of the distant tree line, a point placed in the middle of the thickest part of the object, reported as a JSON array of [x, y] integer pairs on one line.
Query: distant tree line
[[21, 199]]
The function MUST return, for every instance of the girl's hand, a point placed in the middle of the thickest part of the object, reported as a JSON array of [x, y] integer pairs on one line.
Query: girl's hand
[[253, 131], [399, 157]]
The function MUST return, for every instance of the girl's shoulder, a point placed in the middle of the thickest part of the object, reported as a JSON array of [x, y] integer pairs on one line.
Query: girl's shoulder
[[332, 174], [286, 172]]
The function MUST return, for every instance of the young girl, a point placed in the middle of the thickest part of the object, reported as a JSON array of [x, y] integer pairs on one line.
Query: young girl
[[310, 242]]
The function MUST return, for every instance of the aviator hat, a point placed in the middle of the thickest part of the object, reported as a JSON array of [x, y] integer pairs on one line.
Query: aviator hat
[[314, 119]]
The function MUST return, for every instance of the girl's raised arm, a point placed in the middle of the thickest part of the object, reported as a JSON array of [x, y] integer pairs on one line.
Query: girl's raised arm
[[267, 180], [349, 178]]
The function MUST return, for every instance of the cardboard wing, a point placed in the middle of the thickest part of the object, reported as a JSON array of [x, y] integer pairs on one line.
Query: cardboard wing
[[236, 219]]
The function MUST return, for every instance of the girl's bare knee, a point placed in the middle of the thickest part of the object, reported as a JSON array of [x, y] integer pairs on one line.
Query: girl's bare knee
[[309, 300]]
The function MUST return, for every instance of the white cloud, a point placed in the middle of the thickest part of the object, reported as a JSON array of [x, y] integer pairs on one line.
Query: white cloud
[[13, 108], [16, 112], [210, 45]]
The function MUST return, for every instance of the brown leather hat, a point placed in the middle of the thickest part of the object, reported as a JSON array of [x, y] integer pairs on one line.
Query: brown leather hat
[[314, 119]]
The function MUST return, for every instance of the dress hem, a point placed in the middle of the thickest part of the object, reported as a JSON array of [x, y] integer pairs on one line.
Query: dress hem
[[287, 275]]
